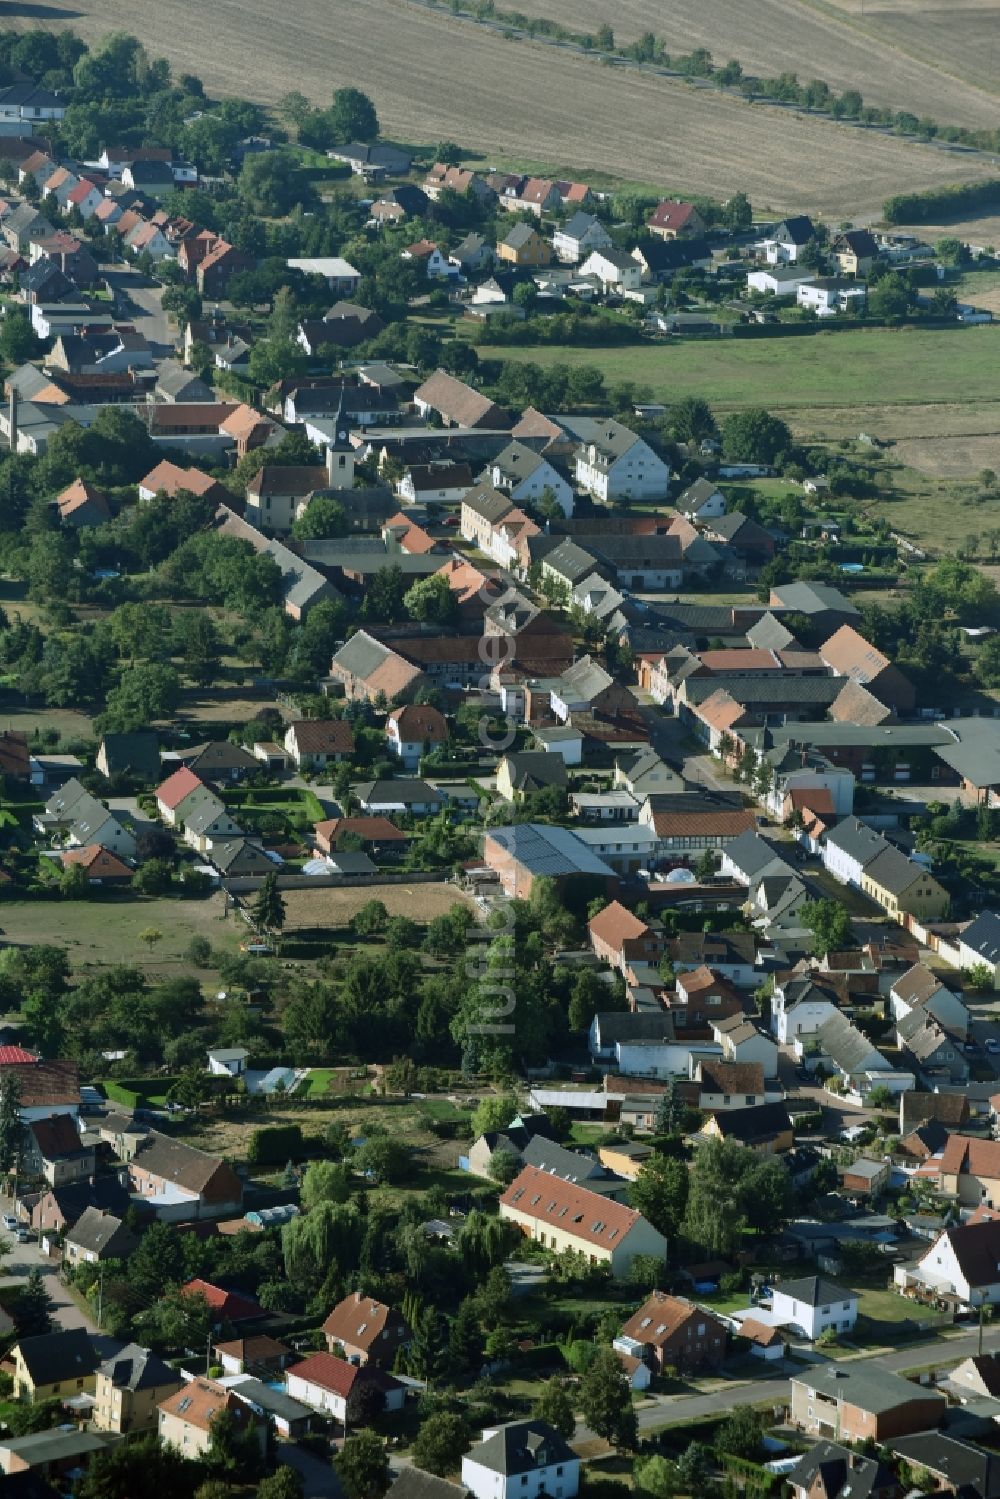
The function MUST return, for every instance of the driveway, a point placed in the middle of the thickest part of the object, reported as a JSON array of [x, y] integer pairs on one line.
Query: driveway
[[318, 1478], [22, 1259], [140, 301]]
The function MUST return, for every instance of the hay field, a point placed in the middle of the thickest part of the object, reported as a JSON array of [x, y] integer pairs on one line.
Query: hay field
[[434, 77], [330, 906], [825, 41]]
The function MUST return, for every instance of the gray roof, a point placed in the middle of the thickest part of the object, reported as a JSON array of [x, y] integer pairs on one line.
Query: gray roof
[[751, 853], [488, 503], [845, 1045], [570, 561], [136, 1368], [579, 224], [138, 752], [95, 1231], [849, 735], [983, 936], [612, 439], [570, 1165], [56, 1446], [869, 1386], [54, 1356], [414, 1483], [845, 1474], [517, 461], [519, 236], [536, 768], [768, 633], [696, 494], [362, 655], [766, 687], [301, 583], [268, 1399], [958, 1464], [976, 754], [549, 851], [585, 679], [857, 841], [405, 790], [522, 1447], [814, 598], [175, 381], [815, 1291], [634, 1025], [894, 872]]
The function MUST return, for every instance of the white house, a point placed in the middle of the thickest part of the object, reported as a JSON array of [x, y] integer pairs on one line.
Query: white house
[[828, 295], [431, 257], [578, 236], [963, 1261], [920, 989], [787, 239], [339, 274], [811, 1305], [743, 1042], [798, 1009], [979, 944], [779, 280], [332, 1385], [702, 500], [748, 859], [526, 1458], [26, 101], [849, 848], [525, 475], [614, 269], [613, 463], [229, 1061]]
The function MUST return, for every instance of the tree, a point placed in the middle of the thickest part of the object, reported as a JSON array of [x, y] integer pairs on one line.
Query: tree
[[767, 1197], [671, 1110], [268, 910], [830, 924], [383, 1159], [34, 1307], [754, 436], [285, 1483], [323, 518], [234, 1450], [494, 1114], [324, 1181], [890, 299], [555, 1406], [690, 420], [440, 1444], [660, 1193], [151, 935], [268, 182], [980, 978], [465, 1340], [741, 1433], [362, 1466], [606, 1402], [141, 1469], [504, 1166], [352, 116], [10, 1120], [428, 1353], [694, 1469], [371, 919], [431, 601], [715, 1216]]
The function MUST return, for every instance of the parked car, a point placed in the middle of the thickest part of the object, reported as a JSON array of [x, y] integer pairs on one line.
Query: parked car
[[992, 1045], [10, 1223]]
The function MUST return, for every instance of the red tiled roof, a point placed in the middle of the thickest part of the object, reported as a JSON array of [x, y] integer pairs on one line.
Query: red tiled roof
[[330, 1373], [703, 824], [577, 1212], [658, 1319], [323, 736], [12, 1054], [671, 215], [229, 1304], [171, 478], [99, 863], [176, 787]]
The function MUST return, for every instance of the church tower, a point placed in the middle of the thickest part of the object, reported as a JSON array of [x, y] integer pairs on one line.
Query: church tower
[[339, 452]]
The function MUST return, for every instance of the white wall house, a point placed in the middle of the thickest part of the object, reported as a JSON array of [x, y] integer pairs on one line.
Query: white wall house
[[849, 848], [620, 469], [778, 281], [526, 1458], [811, 1305], [963, 1261], [615, 270], [230, 1061], [525, 476], [796, 1016], [828, 295]]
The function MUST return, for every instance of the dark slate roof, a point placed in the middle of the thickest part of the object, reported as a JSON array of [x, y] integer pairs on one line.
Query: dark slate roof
[[845, 1475], [135, 1368], [414, 1483], [138, 752], [570, 1165], [754, 1123], [983, 936], [815, 1291], [53, 1357], [957, 1464], [522, 1447]]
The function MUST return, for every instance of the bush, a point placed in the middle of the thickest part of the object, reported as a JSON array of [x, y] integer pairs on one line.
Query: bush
[[930, 207], [275, 1144]]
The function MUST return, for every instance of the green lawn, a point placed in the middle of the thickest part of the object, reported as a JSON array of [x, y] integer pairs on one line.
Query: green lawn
[[880, 366], [105, 931]]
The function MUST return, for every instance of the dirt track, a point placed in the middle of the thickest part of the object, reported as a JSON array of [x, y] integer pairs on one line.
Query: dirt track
[[435, 78]]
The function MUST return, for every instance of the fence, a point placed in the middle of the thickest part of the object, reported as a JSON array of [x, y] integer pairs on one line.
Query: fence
[[245, 883]]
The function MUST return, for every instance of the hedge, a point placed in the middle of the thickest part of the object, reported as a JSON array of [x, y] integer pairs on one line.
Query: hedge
[[135, 1092], [275, 1144], [942, 202]]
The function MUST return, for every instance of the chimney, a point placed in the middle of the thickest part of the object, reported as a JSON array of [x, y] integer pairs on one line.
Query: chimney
[[12, 419]]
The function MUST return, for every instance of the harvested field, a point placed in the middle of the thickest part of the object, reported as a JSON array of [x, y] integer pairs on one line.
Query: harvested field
[[956, 39], [434, 77], [330, 907], [901, 55]]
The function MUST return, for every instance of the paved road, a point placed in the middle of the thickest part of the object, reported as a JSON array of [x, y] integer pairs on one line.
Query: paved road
[[672, 1410], [140, 301], [25, 1257], [318, 1478]]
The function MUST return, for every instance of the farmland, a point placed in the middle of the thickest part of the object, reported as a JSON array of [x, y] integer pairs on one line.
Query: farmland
[[330, 908], [898, 55], [435, 77], [883, 367]]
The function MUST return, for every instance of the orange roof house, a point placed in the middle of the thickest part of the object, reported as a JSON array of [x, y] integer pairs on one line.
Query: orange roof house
[[100, 865], [848, 654], [677, 1334], [83, 504], [569, 1217], [170, 479], [176, 788], [619, 937], [368, 1331]]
